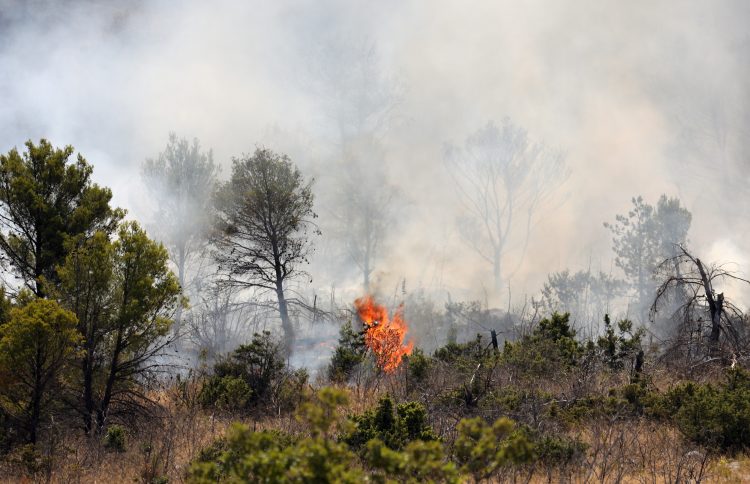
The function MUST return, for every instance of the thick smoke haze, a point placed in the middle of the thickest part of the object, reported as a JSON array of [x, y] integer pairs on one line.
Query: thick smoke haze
[[643, 98]]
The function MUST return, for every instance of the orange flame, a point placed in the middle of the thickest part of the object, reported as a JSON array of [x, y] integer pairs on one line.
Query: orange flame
[[384, 336]]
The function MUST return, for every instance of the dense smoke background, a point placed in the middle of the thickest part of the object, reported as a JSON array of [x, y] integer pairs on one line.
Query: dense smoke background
[[643, 97]]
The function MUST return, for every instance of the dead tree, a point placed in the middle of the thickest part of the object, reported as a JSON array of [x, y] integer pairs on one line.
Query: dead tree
[[503, 179], [703, 314]]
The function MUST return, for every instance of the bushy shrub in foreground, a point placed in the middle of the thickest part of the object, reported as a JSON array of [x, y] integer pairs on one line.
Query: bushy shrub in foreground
[[390, 443], [253, 374], [393, 425], [716, 416]]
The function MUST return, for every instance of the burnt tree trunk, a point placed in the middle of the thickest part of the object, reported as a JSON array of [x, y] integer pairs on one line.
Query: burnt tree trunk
[[715, 308]]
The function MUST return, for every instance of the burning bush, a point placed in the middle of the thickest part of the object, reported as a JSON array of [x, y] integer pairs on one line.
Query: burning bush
[[384, 336]]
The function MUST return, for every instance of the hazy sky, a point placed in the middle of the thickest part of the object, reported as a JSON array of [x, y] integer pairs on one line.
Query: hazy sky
[[644, 97]]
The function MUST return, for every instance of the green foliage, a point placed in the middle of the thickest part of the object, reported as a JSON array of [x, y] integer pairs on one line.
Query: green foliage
[[395, 427], [182, 181], [631, 400], [243, 456], [551, 347], [645, 237], [226, 393], [463, 355], [555, 451], [30, 460], [252, 374], [47, 199], [419, 462], [5, 306], [418, 365], [622, 348], [265, 216], [322, 414], [523, 404], [482, 449], [293, 390], [349, 353], [115, 439], [246, 456], [716, 416], [123, 294], [37, 349]]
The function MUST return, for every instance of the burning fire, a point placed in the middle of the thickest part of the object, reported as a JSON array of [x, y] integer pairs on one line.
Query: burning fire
[[384, 336]]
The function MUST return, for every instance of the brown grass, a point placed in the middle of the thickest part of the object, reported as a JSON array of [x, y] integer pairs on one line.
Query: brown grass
[[637, 451]]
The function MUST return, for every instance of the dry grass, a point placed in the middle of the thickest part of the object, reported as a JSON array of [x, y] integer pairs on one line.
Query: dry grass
[[634, 450]]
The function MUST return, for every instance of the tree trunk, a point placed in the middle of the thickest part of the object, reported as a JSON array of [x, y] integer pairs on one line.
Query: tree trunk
[[178, 312], [36, 400], [101, 413], [286, 323], [715, 308], [38, 289], [35, 413], [88, 397], [496, 271]]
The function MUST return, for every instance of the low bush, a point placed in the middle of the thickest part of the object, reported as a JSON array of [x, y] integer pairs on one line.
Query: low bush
[[349, 353], [394, 425], [482, 449], [253, 374], [115, 439], [715, 416], [550, 348]]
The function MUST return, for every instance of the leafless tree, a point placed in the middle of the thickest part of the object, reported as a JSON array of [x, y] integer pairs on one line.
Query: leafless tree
[[360, 100], [704, 314], [503, 179], [220, 320], [365, 207], [356, 95]]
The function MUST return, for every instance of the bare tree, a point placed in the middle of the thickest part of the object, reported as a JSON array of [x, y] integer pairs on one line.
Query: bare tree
[[265, 219], [221, 320], [359, 101], [365, 208], [502, 178], [356, 95], [704, 314], [711, 148]]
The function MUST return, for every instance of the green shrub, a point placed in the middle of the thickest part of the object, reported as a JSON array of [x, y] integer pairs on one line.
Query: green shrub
[[551, 347], [29, 460], [716, 416], [239, 455], [418, 365], [463, 355], [395, 426], [620, 350], [114, 438], [293, 390], [247, 456], [482, 449], [419, 462], [252, 374], [349, 353], [559, 451], [226, 393]]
